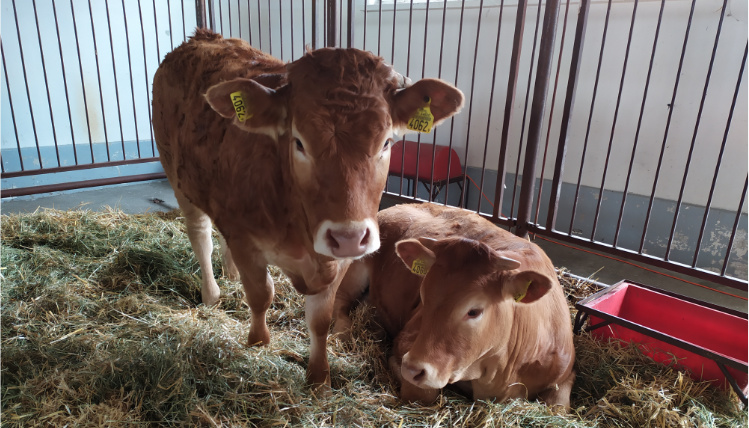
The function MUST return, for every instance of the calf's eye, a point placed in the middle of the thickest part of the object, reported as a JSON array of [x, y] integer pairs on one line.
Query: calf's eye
[[474, 313], [387, 144], [299, 145]]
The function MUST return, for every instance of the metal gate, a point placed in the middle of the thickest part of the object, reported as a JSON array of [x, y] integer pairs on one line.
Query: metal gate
[[611, 124]]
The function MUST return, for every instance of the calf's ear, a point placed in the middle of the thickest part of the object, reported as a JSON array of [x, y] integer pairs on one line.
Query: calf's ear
[[253, 107], [417, 258], [527, 286], [444, 100]]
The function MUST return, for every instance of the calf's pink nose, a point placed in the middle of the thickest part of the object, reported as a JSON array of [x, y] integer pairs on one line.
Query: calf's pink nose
[[348, 242]]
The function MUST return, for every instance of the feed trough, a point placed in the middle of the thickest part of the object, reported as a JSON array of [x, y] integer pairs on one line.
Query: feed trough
[[709, 341]]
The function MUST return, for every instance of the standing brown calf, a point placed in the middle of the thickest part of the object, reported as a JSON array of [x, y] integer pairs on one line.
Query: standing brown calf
[[484, 309], [287, 160]]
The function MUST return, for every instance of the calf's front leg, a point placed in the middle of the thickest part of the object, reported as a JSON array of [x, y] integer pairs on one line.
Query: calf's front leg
[[319, 313]]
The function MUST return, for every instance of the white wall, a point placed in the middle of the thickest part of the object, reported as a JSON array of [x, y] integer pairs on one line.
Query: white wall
[[701, 38]]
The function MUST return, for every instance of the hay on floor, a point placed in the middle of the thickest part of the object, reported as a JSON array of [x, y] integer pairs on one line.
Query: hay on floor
[[102, 326]]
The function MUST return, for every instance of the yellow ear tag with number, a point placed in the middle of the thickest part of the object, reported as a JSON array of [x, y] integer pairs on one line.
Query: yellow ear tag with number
[[419, 267], [520, 296], [423, 119], [239, 106]]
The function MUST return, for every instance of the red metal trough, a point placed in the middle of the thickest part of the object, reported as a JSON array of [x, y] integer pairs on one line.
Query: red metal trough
[[709, 341]]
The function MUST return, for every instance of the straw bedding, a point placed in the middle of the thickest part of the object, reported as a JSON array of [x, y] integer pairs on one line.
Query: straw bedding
[[102, 326]]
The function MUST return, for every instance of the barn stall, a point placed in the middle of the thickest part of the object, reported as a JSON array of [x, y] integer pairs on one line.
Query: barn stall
[[626, 116]]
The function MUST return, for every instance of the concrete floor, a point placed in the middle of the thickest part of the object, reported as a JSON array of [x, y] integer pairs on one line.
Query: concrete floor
[[158, 196]]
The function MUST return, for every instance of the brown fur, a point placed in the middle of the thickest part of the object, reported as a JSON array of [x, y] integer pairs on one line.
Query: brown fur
[[516, 350], [311, 153]]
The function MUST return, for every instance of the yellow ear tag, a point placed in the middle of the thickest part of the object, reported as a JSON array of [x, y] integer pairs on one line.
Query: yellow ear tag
[[419, 267], [239, 106], [422, 120], [520, 296]]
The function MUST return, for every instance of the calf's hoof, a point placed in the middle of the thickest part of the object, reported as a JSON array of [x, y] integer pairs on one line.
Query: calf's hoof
[[210, 294], [258, 337]]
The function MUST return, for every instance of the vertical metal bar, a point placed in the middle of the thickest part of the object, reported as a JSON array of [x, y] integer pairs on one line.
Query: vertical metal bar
[[184, 30], [350, 26], [473, 82], [212, 16], [545, 57], [304, 26], [717, 165], [249, 22], [200, 15], [364, 38], [491, 103], [132, 86], [613, 125], [665, 134], [156, 28], [379, 26], [221, 17], [462, 201], [270, 31], [65, 86], [735, 227], [98, 80], [46, 83], [291, 15], [694, 139], [231, 27], [392, 47], [145, 75], [569, 102], [314, 24], [511, 83], [169, 14], [260, 27], [83, 86], [551, 111], [639, 125], [339, 26], [439, 76], [280, 26], [332, 17], [12, 110], [590, 119], [26, 83], [116, 86], [525, 109]]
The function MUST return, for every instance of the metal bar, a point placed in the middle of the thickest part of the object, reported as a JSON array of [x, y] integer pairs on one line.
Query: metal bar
[[199, 15], [116, 86], [23, 191], [145, 75], [379, 25], [65, 86], [525, 110], [156, 28], [509, 101], [291, 18], [46, 82], [613, 125], [462, 202], [81, 167], [692, 143], [228, 7], [270, 30], [132, 87], [260, 27], [668, 125], [211, 16], [249, 21], [439, 76], [717, 165], [423, 70], [639, 125], [590, 119], [332, 17], [26, 83], [239, 18], [545, 58], [221, 17], [735, 228], [569, 102], [304, 25], [350, 25], [12, 110], [364, 38], [473, 84], [551, 111], [280, 26], [98, 82], [184, 30], [169, 15], [339, 27]]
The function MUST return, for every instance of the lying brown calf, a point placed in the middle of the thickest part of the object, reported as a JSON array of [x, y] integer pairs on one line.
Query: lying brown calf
[[483, 310]]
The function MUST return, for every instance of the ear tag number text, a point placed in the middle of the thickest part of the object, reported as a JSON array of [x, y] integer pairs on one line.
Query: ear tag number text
[[239, 106], [419, 267], [423, 119]]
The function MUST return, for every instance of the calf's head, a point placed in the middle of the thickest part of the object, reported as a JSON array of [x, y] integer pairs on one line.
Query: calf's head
[[333, 118], [468, 298]]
